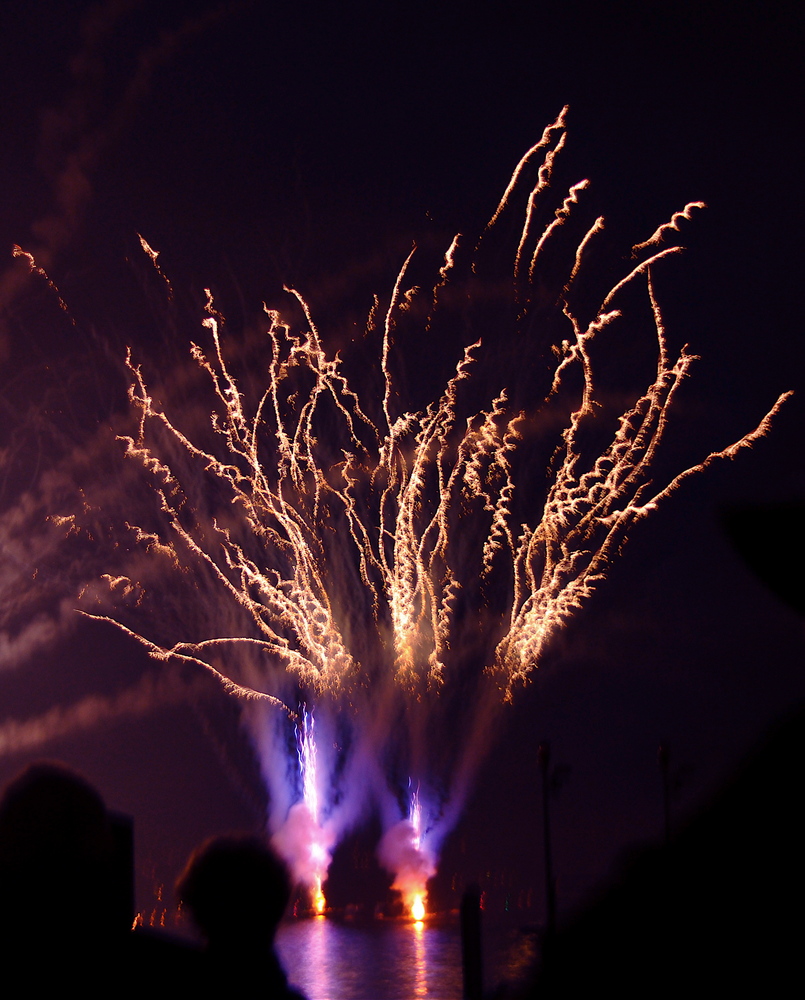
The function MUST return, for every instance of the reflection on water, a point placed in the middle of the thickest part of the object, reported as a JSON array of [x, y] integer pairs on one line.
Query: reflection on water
[[420, 962], [374, 961]]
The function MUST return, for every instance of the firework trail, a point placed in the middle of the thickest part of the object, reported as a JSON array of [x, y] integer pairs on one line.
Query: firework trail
[[404, 853], [301, 839], [328, 546]]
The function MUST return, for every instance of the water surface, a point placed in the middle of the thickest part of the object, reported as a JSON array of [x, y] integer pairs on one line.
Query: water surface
[[389, 960], [381, 960]]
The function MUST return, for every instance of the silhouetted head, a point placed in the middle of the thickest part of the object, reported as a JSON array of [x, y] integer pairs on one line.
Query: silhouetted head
[[55, 851], [235, 888]]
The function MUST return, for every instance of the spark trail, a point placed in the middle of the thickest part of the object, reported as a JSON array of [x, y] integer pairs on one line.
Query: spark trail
[[368, 558], [318, 857]]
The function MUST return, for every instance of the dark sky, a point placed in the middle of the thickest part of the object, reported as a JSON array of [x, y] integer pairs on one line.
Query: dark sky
[[260, 144]]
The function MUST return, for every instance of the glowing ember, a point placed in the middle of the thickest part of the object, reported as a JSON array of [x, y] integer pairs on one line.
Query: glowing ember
[[334, 539]]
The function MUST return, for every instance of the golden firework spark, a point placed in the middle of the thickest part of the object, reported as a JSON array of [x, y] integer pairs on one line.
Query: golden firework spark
[[322, 488], [325, 541]]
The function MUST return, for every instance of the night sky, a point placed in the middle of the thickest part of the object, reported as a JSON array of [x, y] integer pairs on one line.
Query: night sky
[[256, 144]]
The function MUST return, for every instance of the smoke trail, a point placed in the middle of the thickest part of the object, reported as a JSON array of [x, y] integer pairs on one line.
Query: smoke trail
[[18, 646], [76, 133], [152, 691]]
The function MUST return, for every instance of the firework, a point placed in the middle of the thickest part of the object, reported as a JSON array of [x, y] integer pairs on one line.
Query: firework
[[318, 842], [330, 543], [403, 852]]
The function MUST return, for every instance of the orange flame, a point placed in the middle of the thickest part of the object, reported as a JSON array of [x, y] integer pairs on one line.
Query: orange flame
[[319, 899]]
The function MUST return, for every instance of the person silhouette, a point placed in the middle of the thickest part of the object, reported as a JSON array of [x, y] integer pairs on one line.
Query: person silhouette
[[58, 878], [236, 889]]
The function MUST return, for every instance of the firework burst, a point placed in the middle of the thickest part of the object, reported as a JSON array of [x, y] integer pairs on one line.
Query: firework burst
[[349, 550]]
